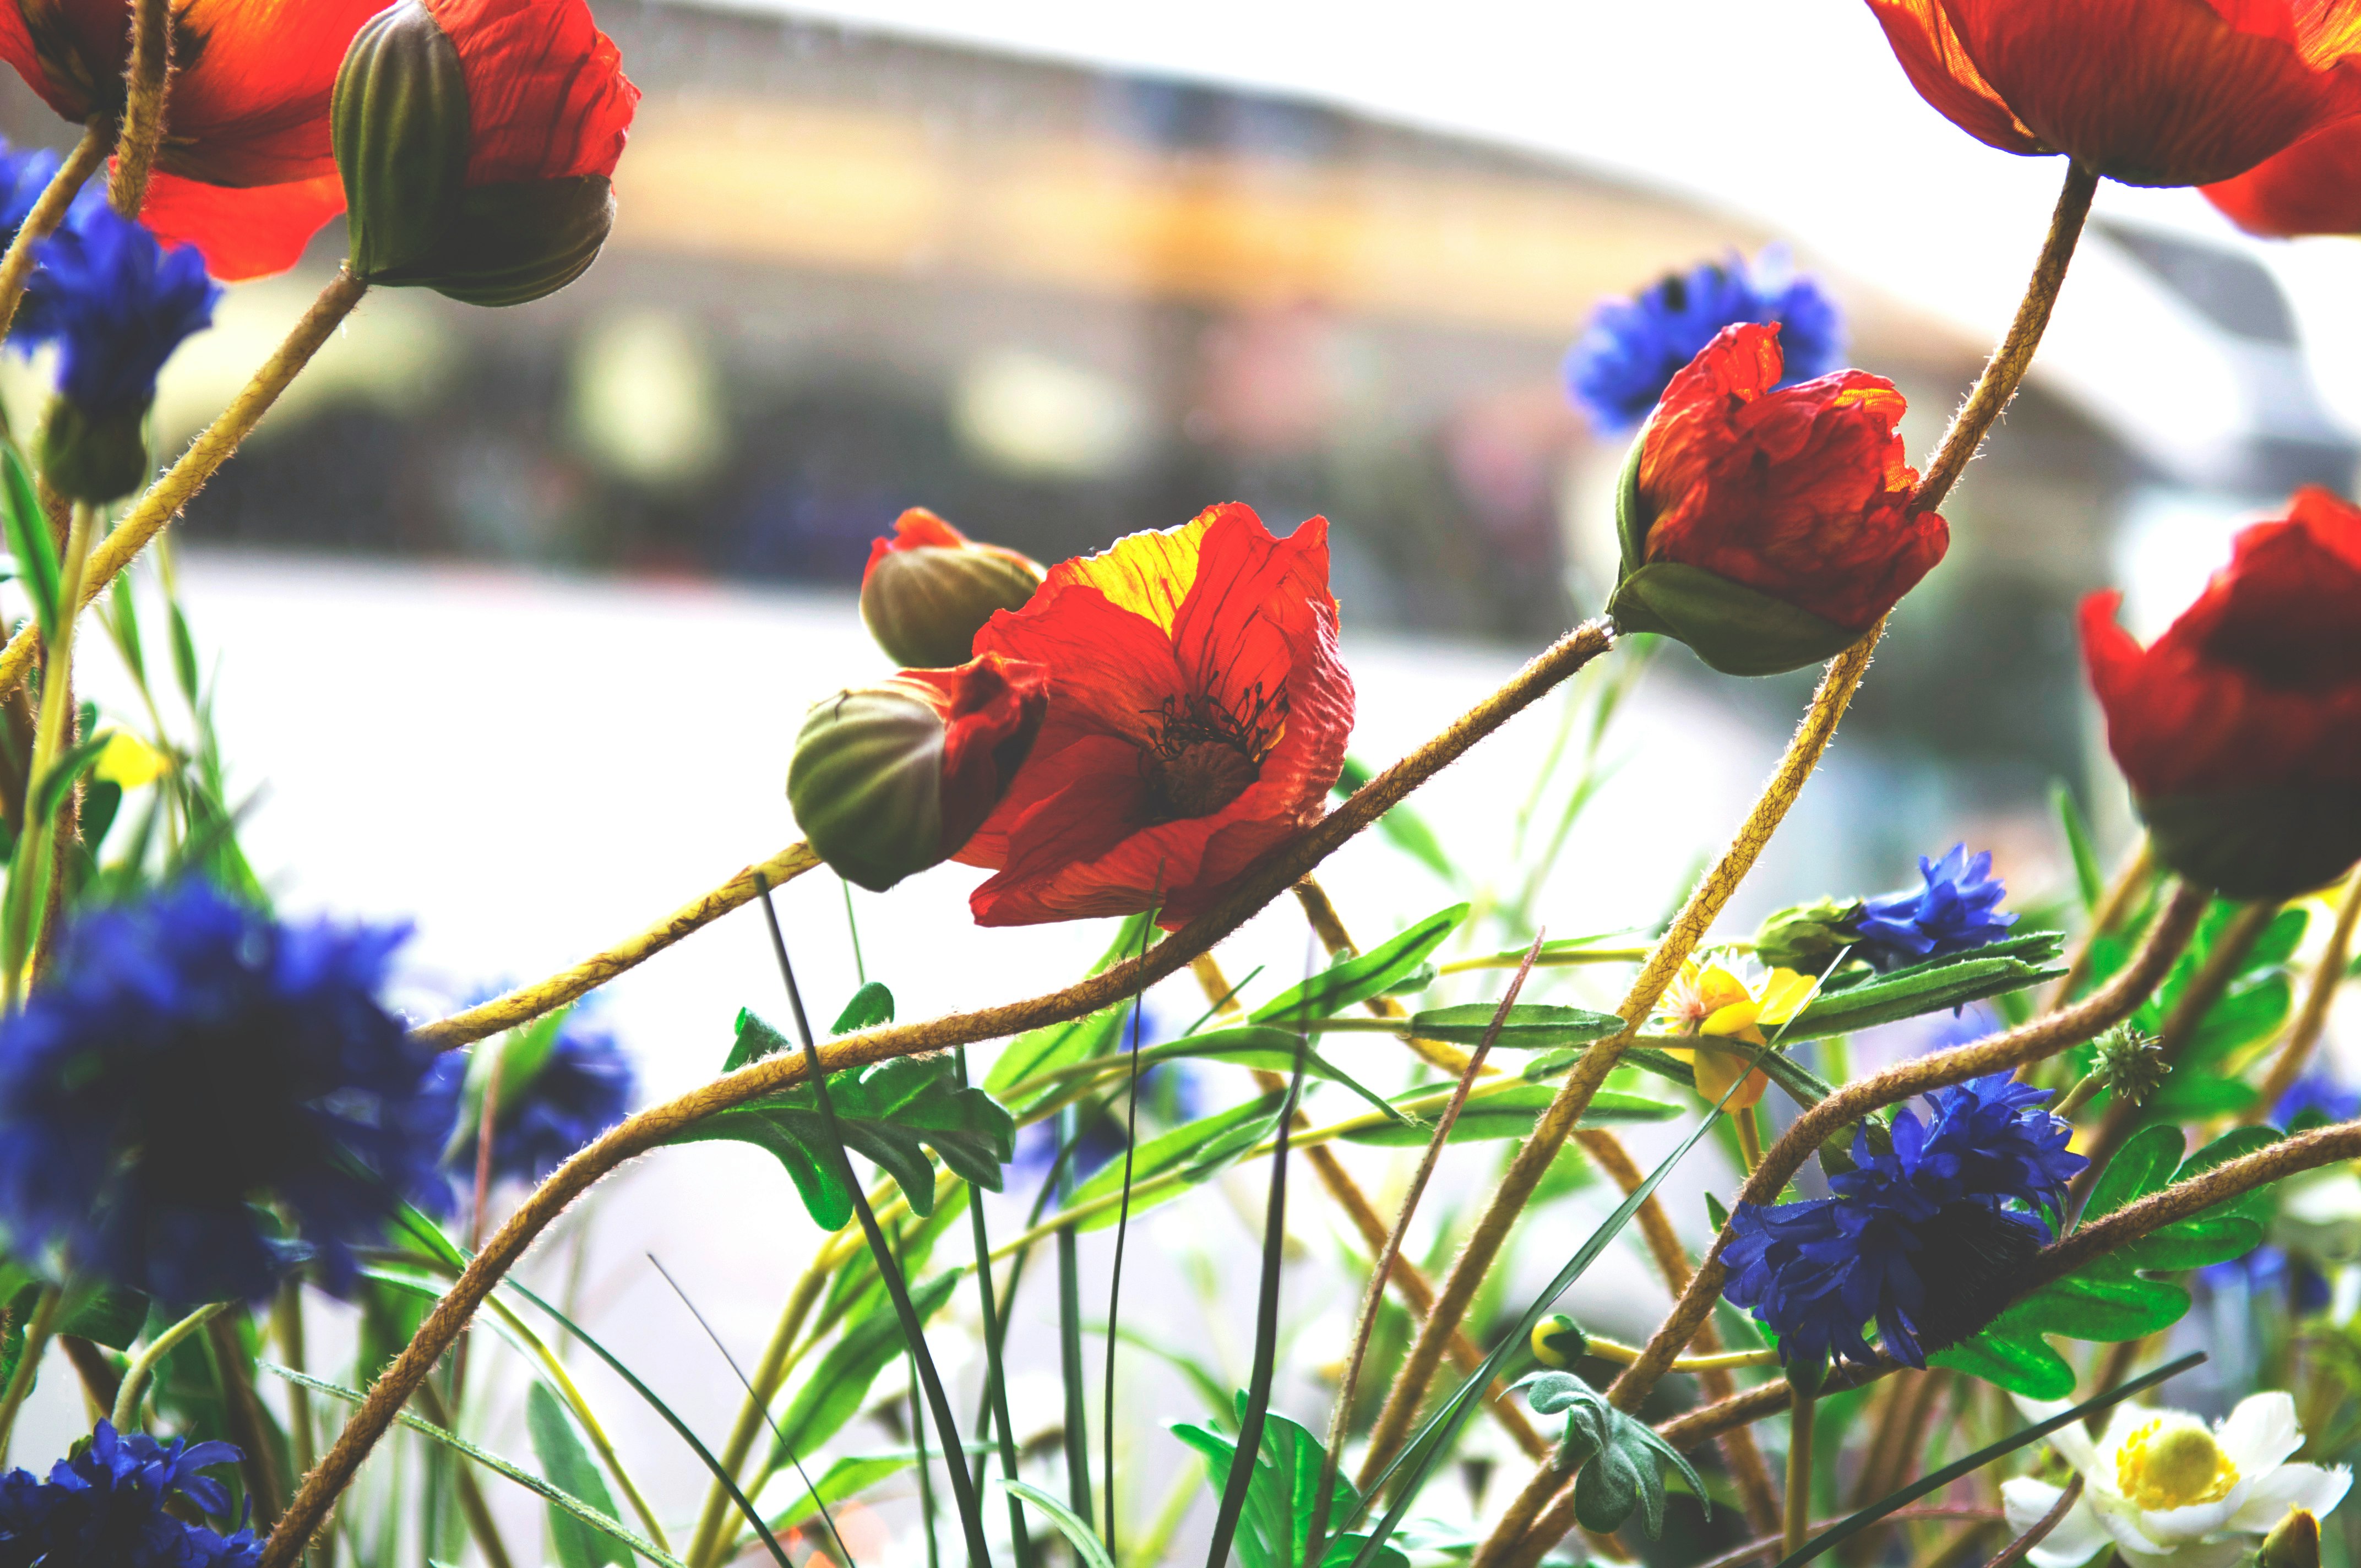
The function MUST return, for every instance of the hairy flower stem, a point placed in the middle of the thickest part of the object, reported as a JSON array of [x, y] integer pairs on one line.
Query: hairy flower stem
[[636, 1135], [2222, 965], [134, 1386], [1340, 1417], [2113, 910], [529, 1001], [37, 847], [37, 1331], [1799, 1473], [162, 501], [50, 210], [2326, 976], [2001, 375], [148, 80]]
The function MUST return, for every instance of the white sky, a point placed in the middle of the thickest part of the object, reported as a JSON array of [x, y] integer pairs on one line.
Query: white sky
[[1792, 111]]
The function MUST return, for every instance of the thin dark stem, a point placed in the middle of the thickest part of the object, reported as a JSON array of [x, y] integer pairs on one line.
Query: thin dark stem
[[1070, 1375], [926, 1470], [913, 1332], [995, 1384], [1122, 1231]]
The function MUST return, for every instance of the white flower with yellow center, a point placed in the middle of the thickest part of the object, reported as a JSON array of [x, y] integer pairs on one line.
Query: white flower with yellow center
[[2167, 1491]]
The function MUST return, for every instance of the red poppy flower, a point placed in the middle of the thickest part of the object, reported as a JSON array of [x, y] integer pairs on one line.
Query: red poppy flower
[[240, 175], [1769, 529], [2148, 91], [2315, 187], [890, 779], [492, 188], [1198, 715], [2239, 730], [928, 590]]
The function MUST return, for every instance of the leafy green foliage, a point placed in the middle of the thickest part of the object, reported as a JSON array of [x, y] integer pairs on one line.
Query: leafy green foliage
[[1618, 1461], [846, 1478], [1529, 1025], [1357, 979], [1274, 1529], [34, 552], [2090, 882], [2117, 1297], [1038, 1051], [1071, 1525], [1855, 999], [890, 1111], [1511, 1113], [872, 1005], [567, 1465], [1260, 1045], [837, 1388], [1198, 1152]]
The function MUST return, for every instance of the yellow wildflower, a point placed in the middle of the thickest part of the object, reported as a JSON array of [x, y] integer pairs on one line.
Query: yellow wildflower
[[1710, 1000]]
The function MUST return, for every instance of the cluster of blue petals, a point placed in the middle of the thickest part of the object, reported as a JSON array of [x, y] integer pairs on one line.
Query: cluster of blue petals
[[116, 303], [2316, 1099], [190, 1066], [1621, 364], [1816, 1272], [584, 1086], [105, 1505], [1954, 910], [23, 177]]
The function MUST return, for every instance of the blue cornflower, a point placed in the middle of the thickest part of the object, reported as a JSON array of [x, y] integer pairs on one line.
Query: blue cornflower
[[1619, 366], [23, 177], [105, 1505], [116, 303], [1924, 1237], [1953, 913], [2317, 1098], [583, 1086], [192, 1064]]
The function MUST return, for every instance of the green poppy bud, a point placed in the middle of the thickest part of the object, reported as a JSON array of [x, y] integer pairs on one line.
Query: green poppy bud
[[929, 589], [1558, 1340], [1807, 938], [2293, 1542], [893, 778], [95, 457]]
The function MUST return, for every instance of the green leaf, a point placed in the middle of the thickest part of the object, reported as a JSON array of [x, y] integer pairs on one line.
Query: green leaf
[[870, 1005], [27, 527], [845, 1478], [1078, 1533], [63, 773], [890, 1111], [184, 653], [1274, 1529], [2088, 880], [123, 625], [1923, 987], [569, 1467], [1358, 978], [1259, 1045], [1197, 1150], [1528, 1026], [1799, 1083], [111, 1315], [2247, 1015], [1510, 1112], [2144, 1165], [2020, 1364], [1038, 1051], [604, 1523], [837, 1388], [1620, 1461]]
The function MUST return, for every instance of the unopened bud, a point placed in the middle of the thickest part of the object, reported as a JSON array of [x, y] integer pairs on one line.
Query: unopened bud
[[929, 589], [2131, 1063], [1558, 1340], [1807, 937], [893, 778], [2294, 1541], [96, 457]]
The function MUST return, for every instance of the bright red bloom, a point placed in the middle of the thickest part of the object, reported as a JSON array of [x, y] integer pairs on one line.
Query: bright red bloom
[[547, 98], [2239, 730], [245, 174], [2315, 187], [1198, 715], [2147, 91], [1802, 495], [991, 708]]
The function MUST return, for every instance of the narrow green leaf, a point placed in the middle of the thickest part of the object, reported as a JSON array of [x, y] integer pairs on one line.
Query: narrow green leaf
[[838, 1388], [2088, 880], [1511, 1113], [1259, 1045], [1078, 1534], [845, 1478], [870, 1005], [184, 653], [1913, 993], [111, 1315], [1359, 979], [1183, 1147], [569, 1468], [64, 773], [27, 527], [1529, 1025], [1038, 1051]]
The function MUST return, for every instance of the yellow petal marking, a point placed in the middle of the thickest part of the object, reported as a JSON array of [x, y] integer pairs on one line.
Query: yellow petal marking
[[1147, 574]]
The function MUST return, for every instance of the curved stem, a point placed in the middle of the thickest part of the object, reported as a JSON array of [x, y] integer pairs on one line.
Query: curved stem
[[50, 210], [143, 1365], [148, 81], [1273, 875], [29, 1360], [2014, 1551], [2112, 909], [1799, 1473], [2326, 976], [163, 499], [38, 850]]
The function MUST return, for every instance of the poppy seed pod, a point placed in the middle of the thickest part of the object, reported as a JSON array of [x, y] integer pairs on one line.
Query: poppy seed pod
[[928, 590], [890, 779], [476, 139]]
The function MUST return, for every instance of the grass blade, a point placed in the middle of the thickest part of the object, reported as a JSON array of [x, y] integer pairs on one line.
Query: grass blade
[[913, 1332], [995, 1384], [1071, 1525], [1838, 1534], [1069, 1331], [1122, 1230]]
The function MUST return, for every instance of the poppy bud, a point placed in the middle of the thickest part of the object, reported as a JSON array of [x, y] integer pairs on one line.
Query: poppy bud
[[476, 139], [2293, 1542], [1768, 529], [1807, 938], [2239, 730], [892, 778], [929, 589]]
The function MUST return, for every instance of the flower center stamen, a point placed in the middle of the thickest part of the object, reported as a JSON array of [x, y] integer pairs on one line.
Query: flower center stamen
[[1204, 754], [2173, 1465]]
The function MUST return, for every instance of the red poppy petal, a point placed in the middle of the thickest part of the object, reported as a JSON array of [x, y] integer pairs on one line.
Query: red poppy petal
[[59, 92], [2315, 187], [1929, 51], [242, 234], [546, 93], [1109, 668], [250, 98]]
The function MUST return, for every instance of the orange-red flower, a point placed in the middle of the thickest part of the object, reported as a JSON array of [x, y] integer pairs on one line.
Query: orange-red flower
[[2148, 91], [2315, 187], [245, 173], [2239, 730], [1198, 715], [1769, 529]]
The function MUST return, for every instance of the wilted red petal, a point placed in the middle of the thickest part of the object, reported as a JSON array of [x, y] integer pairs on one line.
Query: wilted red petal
[[1923, 40], [242, 234], [992, 711], [547, 95]]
